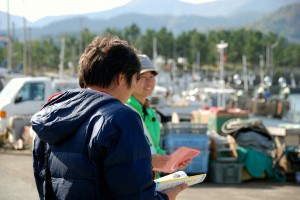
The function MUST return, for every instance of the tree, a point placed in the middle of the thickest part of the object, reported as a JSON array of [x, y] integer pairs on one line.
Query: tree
[[113, 32], [238, 42], [86, 37], [182, 45], [198, 43], [254, 46], [145, 44], [252, 43], [132, 33], [44, 54], [165, 43]]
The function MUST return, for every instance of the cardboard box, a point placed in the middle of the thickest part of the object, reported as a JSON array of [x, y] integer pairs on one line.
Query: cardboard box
[[200, 116], [219, 117], [223, 149]]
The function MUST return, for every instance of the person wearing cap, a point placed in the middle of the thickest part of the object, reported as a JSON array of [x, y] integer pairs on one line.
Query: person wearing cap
[[139, 102]]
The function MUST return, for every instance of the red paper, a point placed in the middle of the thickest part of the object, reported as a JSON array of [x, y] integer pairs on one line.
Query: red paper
[[180, 155]]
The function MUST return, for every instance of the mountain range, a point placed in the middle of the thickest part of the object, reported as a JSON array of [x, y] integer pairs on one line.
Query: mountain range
[[280, 16]]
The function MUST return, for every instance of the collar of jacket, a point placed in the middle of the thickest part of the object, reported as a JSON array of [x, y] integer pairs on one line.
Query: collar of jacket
[[132, 101]]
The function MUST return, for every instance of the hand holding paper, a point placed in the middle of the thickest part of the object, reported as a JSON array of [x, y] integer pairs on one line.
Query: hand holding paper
[[184, 164], [159, 160], [179, 156]]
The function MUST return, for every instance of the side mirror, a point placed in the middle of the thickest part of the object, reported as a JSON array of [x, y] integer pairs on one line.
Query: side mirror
[[18, 99]]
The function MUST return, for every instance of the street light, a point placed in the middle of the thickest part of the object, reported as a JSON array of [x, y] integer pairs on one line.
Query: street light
[[221, 46]]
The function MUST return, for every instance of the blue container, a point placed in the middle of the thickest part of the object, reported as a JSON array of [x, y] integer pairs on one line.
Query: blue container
[[171, 142], [184, 127], [199, 164]]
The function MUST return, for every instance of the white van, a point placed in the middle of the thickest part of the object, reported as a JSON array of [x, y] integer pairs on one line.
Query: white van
[[22, 97]]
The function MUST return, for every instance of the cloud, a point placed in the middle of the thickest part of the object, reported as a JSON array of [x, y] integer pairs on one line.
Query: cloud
[[37, 9]]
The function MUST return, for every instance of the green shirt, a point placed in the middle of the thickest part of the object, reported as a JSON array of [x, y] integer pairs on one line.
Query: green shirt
[[151, 121]]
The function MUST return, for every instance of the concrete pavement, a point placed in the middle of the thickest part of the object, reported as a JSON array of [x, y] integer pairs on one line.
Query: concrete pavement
[[17, 183]]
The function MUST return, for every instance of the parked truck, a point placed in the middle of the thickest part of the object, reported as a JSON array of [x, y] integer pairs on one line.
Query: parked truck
[[20, 99]]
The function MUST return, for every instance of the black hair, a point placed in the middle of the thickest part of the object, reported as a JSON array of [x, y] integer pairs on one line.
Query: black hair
[[104, 59]]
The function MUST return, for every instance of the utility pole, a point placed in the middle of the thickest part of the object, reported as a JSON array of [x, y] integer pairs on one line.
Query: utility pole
[[25, 41], [154, 51], [29, 50], [80, 36], [198, 60], [61, 57], [9, 40]]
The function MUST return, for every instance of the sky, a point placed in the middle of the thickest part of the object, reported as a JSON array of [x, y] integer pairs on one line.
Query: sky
[[34, 10]]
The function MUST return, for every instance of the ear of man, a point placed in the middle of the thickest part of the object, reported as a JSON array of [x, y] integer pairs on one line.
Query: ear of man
[[120, 78]]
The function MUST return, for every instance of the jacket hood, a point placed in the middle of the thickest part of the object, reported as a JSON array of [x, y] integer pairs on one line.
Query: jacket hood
[[63, 115]]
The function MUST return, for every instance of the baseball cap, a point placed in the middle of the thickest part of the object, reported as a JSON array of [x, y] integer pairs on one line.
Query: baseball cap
[[146, 64]]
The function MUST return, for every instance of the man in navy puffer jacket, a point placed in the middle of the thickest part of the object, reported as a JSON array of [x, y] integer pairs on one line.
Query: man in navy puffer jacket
[[95, 146]]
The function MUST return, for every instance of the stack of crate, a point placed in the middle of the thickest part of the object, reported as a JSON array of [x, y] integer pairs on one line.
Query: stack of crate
[[191, 135], [224, 167]]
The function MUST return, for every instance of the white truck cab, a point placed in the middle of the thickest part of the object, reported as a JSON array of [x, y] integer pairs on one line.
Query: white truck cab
[[22, 97]]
